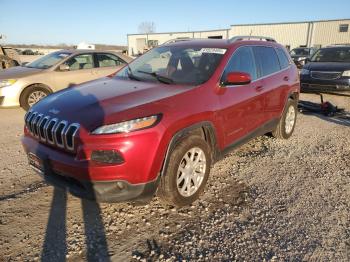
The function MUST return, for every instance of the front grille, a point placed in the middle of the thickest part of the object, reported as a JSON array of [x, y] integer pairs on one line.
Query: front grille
[[324, 75], [52, 131]]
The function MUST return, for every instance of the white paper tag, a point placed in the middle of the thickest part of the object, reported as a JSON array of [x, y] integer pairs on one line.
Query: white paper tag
[[214, 50]]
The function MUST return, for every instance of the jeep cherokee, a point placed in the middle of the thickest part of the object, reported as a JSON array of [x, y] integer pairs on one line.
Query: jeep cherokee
[[159, 123]]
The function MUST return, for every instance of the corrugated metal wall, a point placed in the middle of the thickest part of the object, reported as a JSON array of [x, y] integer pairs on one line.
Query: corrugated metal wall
[[292, 35], [318, 33], [327, 33]]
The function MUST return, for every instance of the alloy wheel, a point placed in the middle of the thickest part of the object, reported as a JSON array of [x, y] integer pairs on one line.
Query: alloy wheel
[[191, 172]]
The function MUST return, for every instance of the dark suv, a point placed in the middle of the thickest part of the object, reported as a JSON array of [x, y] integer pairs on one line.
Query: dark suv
[[161, 122], [301, 54], [328, 70]]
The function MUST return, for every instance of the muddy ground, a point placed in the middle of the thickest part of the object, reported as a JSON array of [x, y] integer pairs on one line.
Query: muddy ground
[[269, 200]]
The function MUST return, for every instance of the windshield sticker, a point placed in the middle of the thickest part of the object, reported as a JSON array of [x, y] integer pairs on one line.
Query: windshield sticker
[[214, 50]]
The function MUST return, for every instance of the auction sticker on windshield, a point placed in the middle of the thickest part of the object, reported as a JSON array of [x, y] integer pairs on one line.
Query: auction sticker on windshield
[[214, 50]]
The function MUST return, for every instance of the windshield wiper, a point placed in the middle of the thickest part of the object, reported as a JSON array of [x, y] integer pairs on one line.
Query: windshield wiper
[[131, 75], [160, 78]]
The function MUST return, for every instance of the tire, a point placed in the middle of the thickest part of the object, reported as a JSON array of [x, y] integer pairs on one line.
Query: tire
[[286, 125], [173, 193], [32, 95]]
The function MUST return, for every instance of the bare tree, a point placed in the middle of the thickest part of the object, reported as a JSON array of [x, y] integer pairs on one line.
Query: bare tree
[[147, 27]]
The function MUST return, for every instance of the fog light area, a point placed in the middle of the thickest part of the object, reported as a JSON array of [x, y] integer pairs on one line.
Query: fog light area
[[107, 156]]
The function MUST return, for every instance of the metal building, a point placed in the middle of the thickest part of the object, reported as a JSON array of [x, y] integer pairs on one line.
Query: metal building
[[293, 34]]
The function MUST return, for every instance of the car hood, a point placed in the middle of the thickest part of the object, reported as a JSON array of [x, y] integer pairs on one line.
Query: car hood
[[100, 102], [18, 72], [327, 66], [297, 56]]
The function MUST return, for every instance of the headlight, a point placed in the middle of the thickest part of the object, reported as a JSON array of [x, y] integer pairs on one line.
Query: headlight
[[346, 73], [304, 72], [7, 82], [128, 126]]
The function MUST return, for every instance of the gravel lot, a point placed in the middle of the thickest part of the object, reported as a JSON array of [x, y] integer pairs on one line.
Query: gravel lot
[[269, 200]]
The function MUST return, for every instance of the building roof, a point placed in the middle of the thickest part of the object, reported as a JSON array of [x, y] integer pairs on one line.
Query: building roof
[[298, 22], [225, 29], [183, 32]]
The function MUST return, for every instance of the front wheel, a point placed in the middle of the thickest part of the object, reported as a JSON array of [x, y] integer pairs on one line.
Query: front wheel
[[187, 172], [32, 95], [287, 122]]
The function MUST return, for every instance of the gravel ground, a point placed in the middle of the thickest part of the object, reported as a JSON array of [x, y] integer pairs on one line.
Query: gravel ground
[[269, 200]]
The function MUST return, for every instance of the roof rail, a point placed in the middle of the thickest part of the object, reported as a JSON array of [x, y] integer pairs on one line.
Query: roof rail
[[180, 39], [177, 40], [250, 37]]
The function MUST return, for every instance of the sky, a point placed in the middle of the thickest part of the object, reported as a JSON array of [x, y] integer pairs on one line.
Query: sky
[[109, 22]]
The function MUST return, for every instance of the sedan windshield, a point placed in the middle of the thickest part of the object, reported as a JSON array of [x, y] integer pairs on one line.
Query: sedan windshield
[[300, 52], [48, 60], [335, 54], [175, 65]]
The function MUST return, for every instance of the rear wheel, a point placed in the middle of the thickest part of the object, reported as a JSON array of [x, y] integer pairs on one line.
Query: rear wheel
[[287, 122], [31, 95], [187, 172]]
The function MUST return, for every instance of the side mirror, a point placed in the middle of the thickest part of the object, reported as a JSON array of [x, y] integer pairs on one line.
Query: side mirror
[[63, 67], [237, 78]]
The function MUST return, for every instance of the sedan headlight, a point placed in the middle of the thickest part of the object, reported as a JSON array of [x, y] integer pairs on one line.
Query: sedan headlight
[[346, 73], [304, 72], [7, 82], [128, 126]]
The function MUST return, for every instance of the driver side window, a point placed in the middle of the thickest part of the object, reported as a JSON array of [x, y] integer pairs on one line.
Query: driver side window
[[78, 62], [242, 60]]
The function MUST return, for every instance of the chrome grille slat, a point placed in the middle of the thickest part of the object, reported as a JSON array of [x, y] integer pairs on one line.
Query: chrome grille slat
[[41, 127], [59, 133], [73, 129], [52, 130], [36, 125], [325, 75], [31, 120]]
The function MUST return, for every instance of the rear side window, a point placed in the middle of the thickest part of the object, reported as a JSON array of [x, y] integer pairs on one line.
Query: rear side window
[[267, 59], [284, 61], [107, 60], [242, 61], [78, 62]]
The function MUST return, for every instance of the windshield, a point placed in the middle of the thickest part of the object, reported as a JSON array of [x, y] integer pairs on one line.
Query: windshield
[[300, 52], [48, 60], [175, 65], [340, 54]]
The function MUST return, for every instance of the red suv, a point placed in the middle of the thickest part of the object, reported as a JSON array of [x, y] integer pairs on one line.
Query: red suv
[[161, 122]]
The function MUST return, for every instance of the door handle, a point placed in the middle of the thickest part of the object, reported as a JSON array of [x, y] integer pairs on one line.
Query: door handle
[[286, 78], [259, 88]]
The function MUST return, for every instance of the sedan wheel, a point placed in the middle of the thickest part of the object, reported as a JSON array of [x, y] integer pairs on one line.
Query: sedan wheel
[[35, 97]]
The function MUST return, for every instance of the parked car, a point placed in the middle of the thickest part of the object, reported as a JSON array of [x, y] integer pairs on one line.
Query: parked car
[[301, 54], [163, 120], [28, 52], [327, 71], [26, 85]]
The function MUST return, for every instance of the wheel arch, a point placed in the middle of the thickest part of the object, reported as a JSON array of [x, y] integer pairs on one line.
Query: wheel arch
[[204, 129], [30, 86], [294, 95]]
